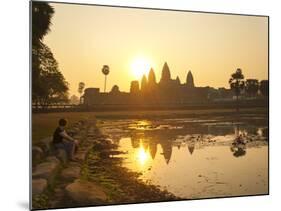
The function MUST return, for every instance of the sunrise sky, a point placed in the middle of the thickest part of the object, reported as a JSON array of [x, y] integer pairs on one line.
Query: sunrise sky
[[84, 38]]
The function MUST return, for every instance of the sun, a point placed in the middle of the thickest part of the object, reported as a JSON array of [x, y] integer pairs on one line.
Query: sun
[[140, 66]]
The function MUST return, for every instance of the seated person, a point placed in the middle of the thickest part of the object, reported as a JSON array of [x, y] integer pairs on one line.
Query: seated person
[[62, 140]]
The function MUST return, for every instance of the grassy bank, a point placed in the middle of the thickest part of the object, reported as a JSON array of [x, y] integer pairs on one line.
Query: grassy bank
[[44, 124]]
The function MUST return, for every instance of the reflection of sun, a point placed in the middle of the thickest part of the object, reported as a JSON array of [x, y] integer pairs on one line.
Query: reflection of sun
[[140, 66], [142, 155]]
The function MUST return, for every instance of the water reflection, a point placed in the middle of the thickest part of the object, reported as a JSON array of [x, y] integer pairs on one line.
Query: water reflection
[[145, 135], [196, 158], [191, 148], [142, 155]]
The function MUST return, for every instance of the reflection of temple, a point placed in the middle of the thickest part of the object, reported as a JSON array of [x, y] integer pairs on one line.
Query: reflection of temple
[[167, 90], [152, 149], [150, 144], [191, 147], [167, 150]]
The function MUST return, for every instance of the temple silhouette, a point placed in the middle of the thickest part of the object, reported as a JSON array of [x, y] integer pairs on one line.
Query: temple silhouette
[[166, 91]]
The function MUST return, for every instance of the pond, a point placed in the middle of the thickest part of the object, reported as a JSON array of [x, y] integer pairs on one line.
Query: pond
[[196, 157]]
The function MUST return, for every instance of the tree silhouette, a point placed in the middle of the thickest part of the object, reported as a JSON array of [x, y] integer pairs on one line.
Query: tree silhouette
[[42, 13], [105, 71], [264, 87], [48, 83], [252, 87], [74, 99], [237, 84], [81, 87]]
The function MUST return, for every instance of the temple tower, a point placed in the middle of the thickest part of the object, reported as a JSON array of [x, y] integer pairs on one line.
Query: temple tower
[[189, 80], [135, 88], [166, 75], [151, 77], [143, 83]]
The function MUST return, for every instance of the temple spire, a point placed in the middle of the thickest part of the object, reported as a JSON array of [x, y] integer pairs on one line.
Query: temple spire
[[143, 83], [151, 77], [166, 75], [189, 80]]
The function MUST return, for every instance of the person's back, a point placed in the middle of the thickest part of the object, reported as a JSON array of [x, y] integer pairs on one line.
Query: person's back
[[62, 140], [57, 138]]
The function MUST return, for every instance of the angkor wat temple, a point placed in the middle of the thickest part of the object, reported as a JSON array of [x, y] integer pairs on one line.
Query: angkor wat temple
[[166, 91]]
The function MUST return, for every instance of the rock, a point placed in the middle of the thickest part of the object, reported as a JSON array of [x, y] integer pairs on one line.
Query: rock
[[38, 186], [47, 170], [37, 154], [82, 152], [46, 144], [71, 173], [52, 159], [84, 192]]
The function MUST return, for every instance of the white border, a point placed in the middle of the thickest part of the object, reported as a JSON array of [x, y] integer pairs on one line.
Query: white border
[[14, 84]]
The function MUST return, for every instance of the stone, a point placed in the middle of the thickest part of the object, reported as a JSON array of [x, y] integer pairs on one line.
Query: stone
[[85, 192], [38, 186], [52, 159], [82, 152], [47, 170], [71, 173], [37, 154], [46, 144]]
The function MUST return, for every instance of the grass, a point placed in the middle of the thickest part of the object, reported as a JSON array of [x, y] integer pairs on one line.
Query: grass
[[43, 125]]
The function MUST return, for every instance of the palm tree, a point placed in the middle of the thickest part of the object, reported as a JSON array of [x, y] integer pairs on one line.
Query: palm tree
[[42, 13], [237, 84], [105, 71], [81, 87]]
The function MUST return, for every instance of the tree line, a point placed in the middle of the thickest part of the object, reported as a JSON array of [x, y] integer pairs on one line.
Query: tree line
[[250, 86], [48, 83]]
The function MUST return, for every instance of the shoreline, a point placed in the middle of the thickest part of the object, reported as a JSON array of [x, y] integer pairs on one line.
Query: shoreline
[[97, 179]]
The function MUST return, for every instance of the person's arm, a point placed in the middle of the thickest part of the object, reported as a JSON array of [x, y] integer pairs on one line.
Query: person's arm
[[66, 136]]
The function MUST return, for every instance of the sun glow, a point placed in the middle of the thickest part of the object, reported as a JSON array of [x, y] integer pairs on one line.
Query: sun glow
[[140, 66], [142, 155]]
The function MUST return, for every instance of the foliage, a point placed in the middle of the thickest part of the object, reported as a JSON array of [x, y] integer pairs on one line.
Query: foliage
[[252, 87], [236, 82], [42, 13], [74, 99], [264, 87], [48, 83], [105, 69], [81, 87]]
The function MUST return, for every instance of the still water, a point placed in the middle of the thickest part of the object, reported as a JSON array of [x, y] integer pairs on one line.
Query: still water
[[196, 157]]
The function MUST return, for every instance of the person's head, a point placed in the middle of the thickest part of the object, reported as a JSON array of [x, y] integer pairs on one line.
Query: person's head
[[62, 122]]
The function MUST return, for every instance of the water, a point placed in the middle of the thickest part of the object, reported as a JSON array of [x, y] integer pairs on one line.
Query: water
[[196, 157]]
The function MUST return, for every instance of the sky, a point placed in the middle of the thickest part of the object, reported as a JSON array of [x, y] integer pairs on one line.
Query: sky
[[83, 38]]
